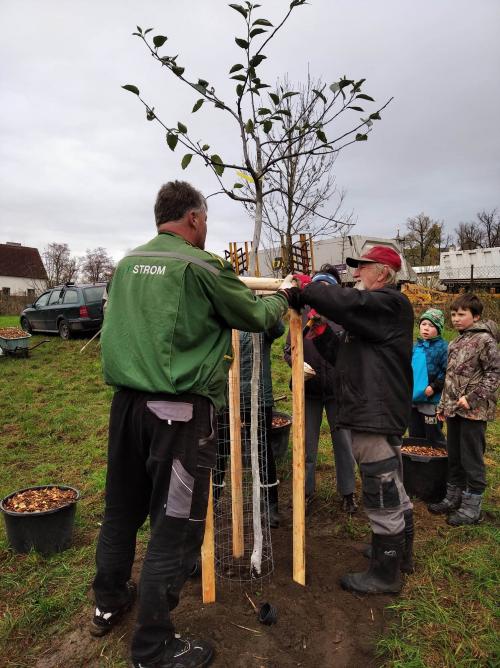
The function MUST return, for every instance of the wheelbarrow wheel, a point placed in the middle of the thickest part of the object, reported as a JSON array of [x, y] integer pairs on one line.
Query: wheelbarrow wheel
[[64, 330], [25, 324]]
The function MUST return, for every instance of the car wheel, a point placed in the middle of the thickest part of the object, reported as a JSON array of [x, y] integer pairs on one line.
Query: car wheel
[[25, 324], [64, 330]]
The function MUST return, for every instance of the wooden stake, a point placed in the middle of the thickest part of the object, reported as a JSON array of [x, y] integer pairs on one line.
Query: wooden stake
[[298, 439], [235, 436], [261, 283], [208, 553]]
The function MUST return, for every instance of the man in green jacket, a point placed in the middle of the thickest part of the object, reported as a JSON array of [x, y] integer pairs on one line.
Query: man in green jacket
[[166, 348]]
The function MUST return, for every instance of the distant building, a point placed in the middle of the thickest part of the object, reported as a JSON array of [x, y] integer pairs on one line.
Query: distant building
[[21, 271], [477, 269], [334, 251]]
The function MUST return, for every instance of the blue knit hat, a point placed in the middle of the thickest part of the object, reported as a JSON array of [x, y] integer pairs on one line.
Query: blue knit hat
[[328, 278]]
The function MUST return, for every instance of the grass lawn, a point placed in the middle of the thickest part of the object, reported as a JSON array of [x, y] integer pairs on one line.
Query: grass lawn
[[54, 411]]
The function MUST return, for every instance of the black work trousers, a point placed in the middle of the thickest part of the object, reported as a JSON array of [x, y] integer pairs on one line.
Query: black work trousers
[[466, 443], [161, 449]]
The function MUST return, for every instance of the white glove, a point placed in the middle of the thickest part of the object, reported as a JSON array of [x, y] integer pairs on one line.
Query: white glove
[[289, 282]]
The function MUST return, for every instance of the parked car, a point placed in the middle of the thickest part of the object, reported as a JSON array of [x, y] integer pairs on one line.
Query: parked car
[[66, 309]]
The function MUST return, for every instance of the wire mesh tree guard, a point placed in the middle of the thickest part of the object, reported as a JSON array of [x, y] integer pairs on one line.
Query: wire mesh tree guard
[[242, 551]]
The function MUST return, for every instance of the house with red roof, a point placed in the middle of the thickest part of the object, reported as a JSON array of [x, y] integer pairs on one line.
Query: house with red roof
[[21, 271]]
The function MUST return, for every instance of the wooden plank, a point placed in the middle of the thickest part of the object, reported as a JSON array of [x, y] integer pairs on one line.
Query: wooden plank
[[261, 283], [235, 437], [298, 440], [208, 553]]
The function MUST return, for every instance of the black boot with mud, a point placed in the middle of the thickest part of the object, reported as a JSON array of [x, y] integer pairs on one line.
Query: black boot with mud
[[383, 575]]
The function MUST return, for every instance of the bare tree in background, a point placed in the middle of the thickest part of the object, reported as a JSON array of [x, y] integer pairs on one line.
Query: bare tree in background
[[423, 241], [59, 265], [481, 233], [489, 222], [301, 183], [97, 266]]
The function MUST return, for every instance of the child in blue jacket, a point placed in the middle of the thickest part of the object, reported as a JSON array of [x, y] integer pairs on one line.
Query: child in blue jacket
[[430, 355]]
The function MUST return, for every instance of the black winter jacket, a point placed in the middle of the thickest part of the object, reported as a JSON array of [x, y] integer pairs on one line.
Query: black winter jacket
[[322, 385], [373, 357]]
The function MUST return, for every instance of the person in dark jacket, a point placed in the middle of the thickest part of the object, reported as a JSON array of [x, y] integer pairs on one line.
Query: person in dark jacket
[[374, 392], [319, 392]]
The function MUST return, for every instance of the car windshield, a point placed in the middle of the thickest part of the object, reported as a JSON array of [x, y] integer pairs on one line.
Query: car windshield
[[94, 294]]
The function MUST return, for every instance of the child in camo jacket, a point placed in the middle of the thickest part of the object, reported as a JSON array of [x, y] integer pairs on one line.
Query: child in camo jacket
[[467, 403]]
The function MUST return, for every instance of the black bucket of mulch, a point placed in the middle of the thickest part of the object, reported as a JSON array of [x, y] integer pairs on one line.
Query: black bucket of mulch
[[280, 433], [40, 518], [425, 469]]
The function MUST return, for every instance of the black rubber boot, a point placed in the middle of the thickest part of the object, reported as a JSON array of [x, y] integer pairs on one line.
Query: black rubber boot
[[383, 576], [274, 516], [407, 562], [451, 501]]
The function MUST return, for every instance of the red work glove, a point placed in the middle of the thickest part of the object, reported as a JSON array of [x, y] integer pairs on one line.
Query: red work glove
[[302, 279], [315, 325]]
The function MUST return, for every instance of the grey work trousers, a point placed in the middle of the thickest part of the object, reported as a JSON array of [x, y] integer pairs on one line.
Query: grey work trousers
[[341, 442], [384, 497]]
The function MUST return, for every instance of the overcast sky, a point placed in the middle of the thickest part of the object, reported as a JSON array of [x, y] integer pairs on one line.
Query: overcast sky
[[79, 163]]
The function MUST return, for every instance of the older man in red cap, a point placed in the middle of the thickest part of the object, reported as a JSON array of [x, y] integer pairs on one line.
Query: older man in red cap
[[374, 390]]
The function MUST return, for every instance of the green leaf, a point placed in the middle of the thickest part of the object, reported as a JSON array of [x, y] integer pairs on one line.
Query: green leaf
[[172, 140], [236, 67], [240, 9], [334, 87], [139, 29], [362, 96], [275, 98], [321, 136], [375, 116], [202, 83], [249, 126], [131, 88], [289, 94], [319, 94], [216, 161], [360, 137], [343, 83], [283, 112], [256, 60], [186, 160], [263, 111], [178, 70], [239, 90], [262, 22], [205, 147], [267, 125], [238, 185], [159, 40], [257, 31], [239, 77], [182, 128], [241, 42], [356, 108], [148, 30], [197, 105]]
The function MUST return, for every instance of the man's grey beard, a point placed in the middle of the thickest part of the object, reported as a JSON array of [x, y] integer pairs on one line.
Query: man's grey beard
[[360, 285]]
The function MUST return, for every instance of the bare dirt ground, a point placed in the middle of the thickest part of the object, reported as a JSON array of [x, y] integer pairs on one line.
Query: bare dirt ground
[[319, 626]]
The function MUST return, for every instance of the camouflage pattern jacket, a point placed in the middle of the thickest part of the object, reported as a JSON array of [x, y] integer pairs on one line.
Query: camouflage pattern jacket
[[474, 372]]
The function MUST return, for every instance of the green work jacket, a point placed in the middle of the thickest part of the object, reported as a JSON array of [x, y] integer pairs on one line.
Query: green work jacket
[[169, 317]]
